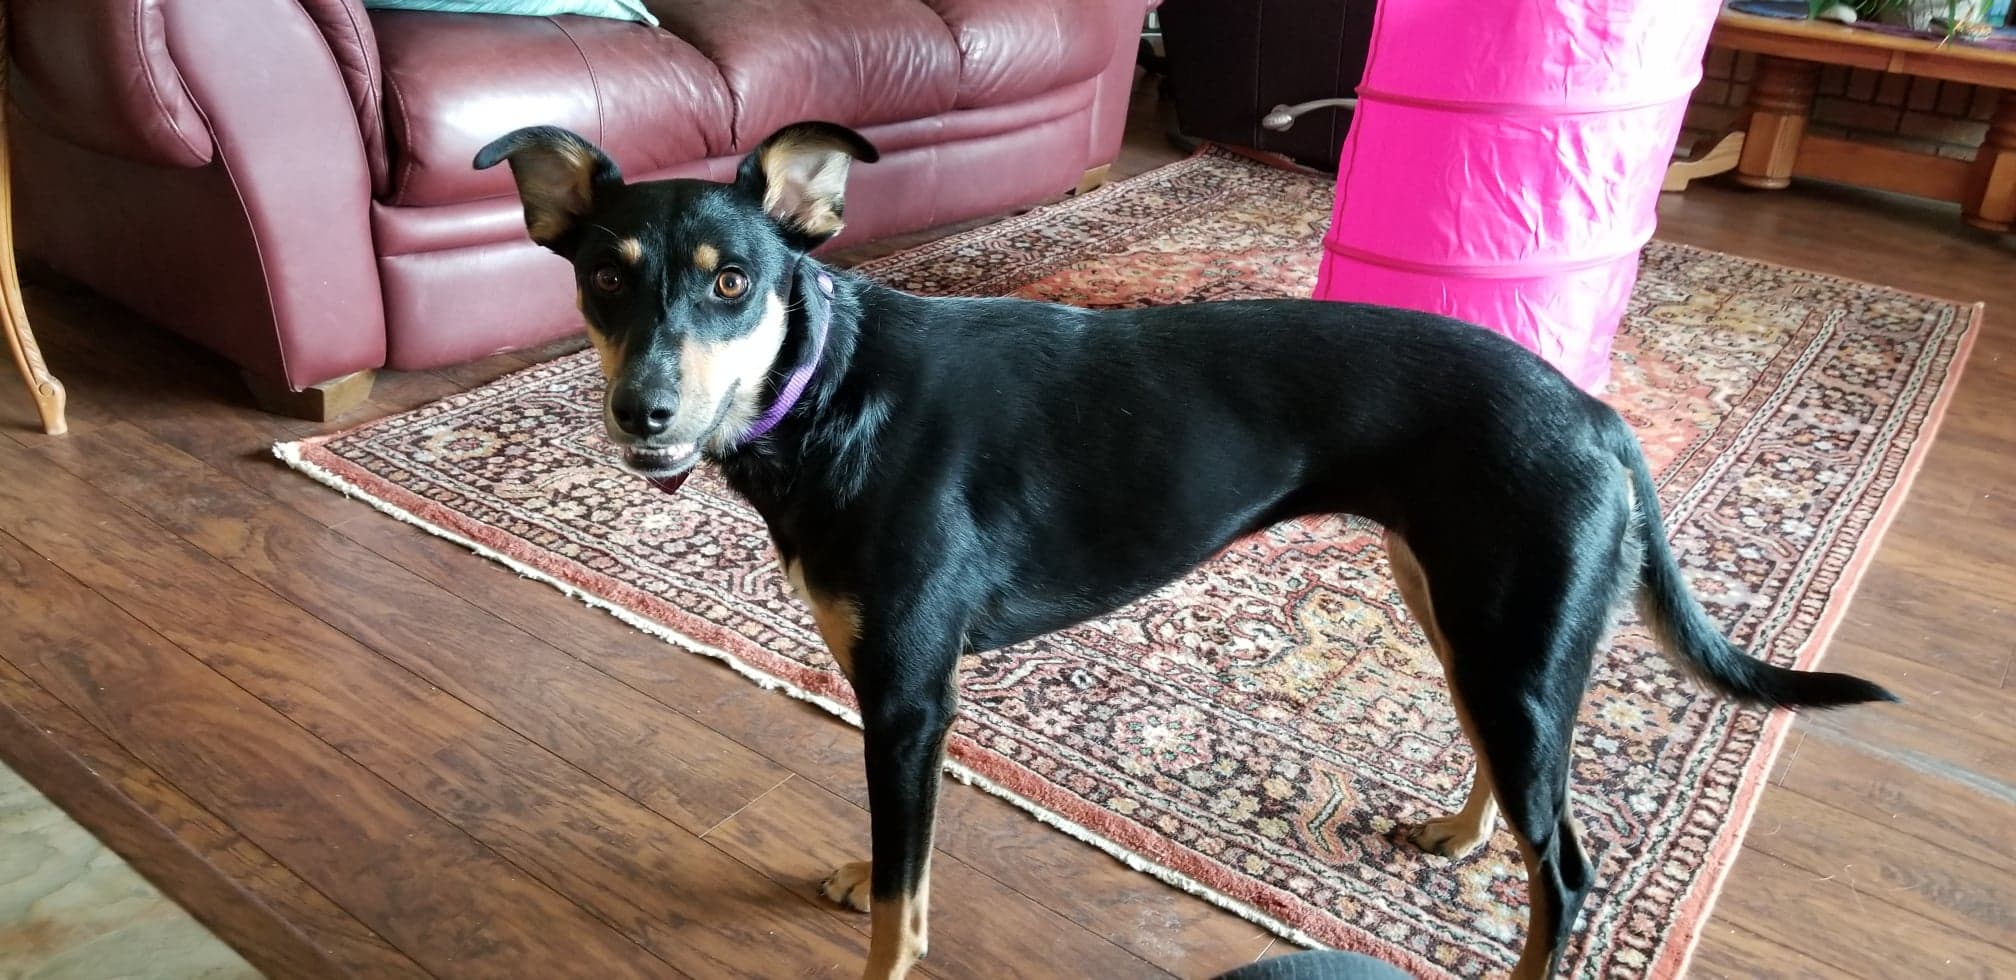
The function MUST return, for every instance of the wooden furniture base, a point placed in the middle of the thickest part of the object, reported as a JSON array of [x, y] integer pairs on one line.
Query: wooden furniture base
[[1771, 147], [1718, 157], [325, 402], [1991, 181], [47, 391], [1094, 178], [1781, 103]]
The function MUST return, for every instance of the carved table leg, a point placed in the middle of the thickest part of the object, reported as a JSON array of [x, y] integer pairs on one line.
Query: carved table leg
[[1991, 186], [47, 390], [1780, 102]]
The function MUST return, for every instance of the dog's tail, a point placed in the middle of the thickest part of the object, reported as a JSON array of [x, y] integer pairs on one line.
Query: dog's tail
[[1689, 636]]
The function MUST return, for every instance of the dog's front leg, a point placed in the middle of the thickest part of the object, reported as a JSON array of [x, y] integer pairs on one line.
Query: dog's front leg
[[907, 697]]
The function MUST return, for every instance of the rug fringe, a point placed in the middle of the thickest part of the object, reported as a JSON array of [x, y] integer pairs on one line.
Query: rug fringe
[[292, 454]]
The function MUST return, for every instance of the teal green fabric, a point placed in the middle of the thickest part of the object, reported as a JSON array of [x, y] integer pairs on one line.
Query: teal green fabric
[[613, 9]]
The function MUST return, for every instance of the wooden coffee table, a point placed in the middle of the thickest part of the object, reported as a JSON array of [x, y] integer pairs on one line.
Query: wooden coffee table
[[48, 392], [1770, 147]]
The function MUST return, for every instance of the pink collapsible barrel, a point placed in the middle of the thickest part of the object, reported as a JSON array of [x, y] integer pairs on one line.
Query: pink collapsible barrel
[[1504, 164]]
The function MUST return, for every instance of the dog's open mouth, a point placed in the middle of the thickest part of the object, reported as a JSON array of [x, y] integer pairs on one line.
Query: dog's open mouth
[[665, 466]]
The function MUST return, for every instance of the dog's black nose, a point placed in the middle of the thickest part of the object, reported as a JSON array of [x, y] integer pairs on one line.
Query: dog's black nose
[[641, 412]]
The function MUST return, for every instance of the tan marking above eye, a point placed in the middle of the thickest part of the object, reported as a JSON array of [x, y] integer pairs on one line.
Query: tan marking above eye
[[631, 250], [706, 257]]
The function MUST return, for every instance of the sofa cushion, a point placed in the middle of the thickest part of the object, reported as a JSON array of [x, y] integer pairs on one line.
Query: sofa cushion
[[867, 62], [454, 82], [854, 62], [719, 77], [1016, 49]]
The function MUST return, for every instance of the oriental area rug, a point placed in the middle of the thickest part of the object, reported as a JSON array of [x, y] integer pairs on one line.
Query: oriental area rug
[[1256, 732]]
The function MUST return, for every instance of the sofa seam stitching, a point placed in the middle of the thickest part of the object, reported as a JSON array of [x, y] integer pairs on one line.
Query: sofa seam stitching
[[406, 139], [958, 50], [594, 83]]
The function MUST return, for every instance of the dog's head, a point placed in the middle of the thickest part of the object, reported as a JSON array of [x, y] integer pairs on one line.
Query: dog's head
[[684, 283]]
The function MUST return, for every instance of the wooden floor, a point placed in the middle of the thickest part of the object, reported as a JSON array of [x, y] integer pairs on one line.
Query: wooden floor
[[351, 748], [70, 908]]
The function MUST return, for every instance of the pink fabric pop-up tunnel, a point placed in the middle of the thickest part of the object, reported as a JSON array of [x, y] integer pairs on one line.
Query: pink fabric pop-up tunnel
[[1503, 166]]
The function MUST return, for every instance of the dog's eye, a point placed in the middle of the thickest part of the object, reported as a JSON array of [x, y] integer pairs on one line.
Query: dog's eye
[[731, 284], [607, 279]]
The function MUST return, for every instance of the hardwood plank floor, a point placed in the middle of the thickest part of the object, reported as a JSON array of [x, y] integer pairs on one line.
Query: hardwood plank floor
[[70, 905], [268, 913], [353, 749]]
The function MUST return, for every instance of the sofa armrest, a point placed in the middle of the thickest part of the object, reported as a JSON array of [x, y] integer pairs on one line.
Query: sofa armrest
[[1116, 82], [264, 105], [104, 75], [287, 136], [354, 45]]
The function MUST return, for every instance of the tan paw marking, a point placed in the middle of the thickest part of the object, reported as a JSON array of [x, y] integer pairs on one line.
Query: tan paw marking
[[848, 886], [1452, 836]]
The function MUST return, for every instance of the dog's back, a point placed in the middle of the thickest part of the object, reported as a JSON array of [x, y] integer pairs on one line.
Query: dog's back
[[1314, 384], [1108, 451]]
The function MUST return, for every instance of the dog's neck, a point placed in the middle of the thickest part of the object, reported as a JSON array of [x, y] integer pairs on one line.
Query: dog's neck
[[817, 306], [819, 429]]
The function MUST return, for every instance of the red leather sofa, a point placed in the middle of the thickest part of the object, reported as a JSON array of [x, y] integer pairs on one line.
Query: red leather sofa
[[287, 182]]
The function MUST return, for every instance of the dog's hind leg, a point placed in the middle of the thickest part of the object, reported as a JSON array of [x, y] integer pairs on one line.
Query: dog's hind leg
[[1534, 795], [1520, 662], [1517, 620], [1456, 834]]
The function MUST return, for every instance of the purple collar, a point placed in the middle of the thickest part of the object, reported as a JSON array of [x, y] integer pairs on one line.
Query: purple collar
[[794, 384]]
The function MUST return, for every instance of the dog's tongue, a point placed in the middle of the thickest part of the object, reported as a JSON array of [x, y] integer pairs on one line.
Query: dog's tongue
[[669, 484]]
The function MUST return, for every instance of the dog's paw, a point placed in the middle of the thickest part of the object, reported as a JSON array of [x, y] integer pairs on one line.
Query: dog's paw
[[847, 886], [1451, 836]]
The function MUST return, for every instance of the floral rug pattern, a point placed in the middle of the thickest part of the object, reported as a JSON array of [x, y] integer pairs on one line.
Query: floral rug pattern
[[1257, 731]]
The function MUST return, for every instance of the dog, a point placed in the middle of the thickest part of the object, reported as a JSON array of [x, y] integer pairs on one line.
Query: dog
[[945, 476]]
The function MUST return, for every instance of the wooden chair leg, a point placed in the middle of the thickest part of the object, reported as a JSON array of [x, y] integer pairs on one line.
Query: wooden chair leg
[[1990, 203], [319, 403], [47, 391], [1779, 106]]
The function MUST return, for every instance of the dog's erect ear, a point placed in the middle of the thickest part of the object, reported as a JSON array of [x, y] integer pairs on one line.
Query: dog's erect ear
[[558, 173], [800, 175]]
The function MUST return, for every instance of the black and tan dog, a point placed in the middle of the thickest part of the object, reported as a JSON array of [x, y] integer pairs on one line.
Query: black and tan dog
[[943, 476]]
